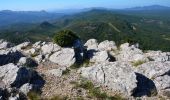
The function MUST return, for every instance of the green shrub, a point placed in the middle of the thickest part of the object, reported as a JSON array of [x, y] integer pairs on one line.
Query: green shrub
[[65, 38], [33, 95], [137, 63]]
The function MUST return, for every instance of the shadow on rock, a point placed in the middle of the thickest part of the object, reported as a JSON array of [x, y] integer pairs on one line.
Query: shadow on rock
[[10, 58], [25, 75], [90, 53], [145, 87]]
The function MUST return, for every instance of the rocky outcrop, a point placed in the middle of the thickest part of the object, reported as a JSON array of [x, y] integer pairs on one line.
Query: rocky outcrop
[[64, 57], [50, 48], [118, 76], [125, 70], [159, 73], [130, 54], [9, 56], [158, 56], [4, 44], [13, 76], [91, 44], [107, 46]]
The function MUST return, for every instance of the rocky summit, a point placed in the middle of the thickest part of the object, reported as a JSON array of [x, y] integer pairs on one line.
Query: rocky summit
[[90, 71]]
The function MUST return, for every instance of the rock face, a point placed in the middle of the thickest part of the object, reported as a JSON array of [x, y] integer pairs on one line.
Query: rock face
[[49, 48], [13, 76], [91, 44], [64, 57], [4, 44], [22, 46], [130, 53], [9, 56], [117, 76], [158, 56], [159, 73], [106, 66], [100, 57], [107, 46]]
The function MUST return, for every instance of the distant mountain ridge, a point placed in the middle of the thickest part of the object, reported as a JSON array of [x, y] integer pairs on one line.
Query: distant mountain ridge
[[152, 7], [8, 17]]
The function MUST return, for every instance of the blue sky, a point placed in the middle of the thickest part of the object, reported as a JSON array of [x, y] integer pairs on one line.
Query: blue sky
[[25, 5]]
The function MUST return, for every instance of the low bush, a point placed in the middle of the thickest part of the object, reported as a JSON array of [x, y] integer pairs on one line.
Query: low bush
[[65, 38]]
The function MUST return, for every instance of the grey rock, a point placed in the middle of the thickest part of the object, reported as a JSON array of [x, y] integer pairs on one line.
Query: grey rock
[[26, 88], [22, 46], [27, 62], [64, 57], [4, 44], [117, 76], [107, 46], [101, 56], [9, 56], [91, 44], [50, 48], [158, 56], [13, 76], [130, 53]]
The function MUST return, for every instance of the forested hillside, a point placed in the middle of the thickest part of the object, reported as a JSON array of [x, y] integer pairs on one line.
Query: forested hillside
[[151, 32]]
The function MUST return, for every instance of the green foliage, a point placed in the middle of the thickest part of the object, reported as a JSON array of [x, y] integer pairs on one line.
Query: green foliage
[[65, 38], [95, 91], [34, 95], [137, 63], [152, 30]]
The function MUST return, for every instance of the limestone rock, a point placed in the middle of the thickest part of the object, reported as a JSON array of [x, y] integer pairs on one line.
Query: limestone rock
[[159, 72], [107, 46], [91, 44], [130, 53], [13, 76], [158, 56], [27, 62], [9, 56], [100, 57], [4, 44], [64, 57], [49, 48], [22, 46], [26, 88], [117, 76]]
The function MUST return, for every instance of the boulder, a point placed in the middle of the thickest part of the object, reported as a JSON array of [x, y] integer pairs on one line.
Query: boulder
[[13, 76], [100, 57], [11, 94], [50, 48], [107, 46], [39, 58], [26, 88], [64, 57], [158, 56], [33, 52], [159, 73], [91, 44], [9, 56], [117, 76], [37, 45], [27, 62], [22, 46], [130, 53], [4, 44]]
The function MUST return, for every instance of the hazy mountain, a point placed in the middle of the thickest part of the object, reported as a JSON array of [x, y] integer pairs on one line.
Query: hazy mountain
[[152, 7], [8, 17]]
